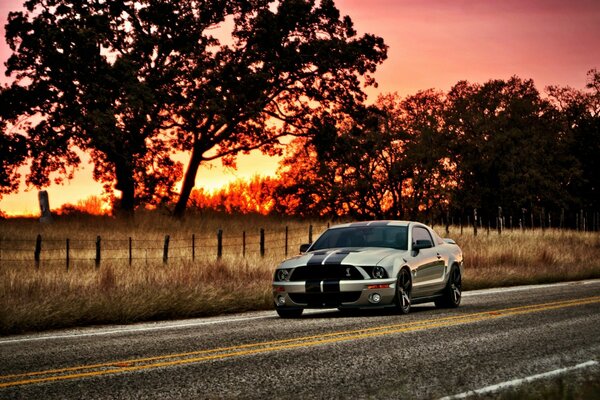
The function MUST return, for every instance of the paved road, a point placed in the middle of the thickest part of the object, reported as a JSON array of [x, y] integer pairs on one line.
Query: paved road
[[495, 336]]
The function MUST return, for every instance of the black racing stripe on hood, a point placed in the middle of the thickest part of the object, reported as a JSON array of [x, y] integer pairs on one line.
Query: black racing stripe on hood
[[337, 258], [316, 259]]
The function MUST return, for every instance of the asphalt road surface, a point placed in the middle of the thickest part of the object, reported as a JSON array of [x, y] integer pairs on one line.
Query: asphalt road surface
[[495, 336]]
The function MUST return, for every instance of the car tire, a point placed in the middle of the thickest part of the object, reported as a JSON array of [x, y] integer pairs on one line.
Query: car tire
[[289, 312], [453, 291], [348, 311], [403, 289]]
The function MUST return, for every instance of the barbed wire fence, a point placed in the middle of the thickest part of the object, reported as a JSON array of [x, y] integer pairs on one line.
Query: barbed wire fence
[[282, 243], [40, 250]]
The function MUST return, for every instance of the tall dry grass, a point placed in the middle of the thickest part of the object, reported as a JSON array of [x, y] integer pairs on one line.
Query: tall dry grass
[[532, 256], [116, 292]]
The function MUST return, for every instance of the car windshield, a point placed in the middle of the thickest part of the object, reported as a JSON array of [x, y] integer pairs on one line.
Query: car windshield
[[390, 236]]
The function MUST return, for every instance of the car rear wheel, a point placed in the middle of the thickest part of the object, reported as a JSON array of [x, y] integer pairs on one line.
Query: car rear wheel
[[403, 289], [453, 291], [289, 312]]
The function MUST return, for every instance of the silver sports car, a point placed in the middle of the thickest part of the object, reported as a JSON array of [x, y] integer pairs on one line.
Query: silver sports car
[[369, 265]]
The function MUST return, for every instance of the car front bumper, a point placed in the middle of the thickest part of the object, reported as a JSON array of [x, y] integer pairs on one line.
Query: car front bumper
[[334, 293]]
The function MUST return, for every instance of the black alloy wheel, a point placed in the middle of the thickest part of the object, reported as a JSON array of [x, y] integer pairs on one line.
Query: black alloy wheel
[[453, 291], [403, 289]]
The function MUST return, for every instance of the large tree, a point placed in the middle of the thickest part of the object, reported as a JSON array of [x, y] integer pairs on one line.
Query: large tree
[[13, 146], [92, 76], [390, 161], [579, 114], [286, 62], [508, 147], [130, 82]]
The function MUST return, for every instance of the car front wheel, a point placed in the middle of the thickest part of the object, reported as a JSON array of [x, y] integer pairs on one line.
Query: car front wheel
[[403, 288], [289, 312]]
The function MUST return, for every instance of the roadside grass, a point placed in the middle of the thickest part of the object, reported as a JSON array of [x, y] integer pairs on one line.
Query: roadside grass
[[528, 257], [33, 299]]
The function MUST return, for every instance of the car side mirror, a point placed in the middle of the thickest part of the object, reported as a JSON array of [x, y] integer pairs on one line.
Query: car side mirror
[[422, 244], [304, 247]]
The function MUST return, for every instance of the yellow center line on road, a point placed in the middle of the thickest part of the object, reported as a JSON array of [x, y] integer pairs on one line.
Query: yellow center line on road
[[116, 367]]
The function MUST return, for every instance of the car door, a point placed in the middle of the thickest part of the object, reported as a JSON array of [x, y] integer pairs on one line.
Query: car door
[[427, 264]]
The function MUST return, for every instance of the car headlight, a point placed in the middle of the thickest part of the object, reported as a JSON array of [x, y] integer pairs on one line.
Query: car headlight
[[282, 275], [379, 273]]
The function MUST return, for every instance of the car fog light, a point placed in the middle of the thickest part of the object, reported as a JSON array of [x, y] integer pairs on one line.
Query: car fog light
[[374, 298], [280, 300]]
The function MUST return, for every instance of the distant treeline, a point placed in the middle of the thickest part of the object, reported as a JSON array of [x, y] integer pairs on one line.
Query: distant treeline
[[436, 156], [135, 87]]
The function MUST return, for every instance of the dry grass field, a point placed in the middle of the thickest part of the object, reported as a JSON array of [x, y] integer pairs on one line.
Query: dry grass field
[[120, 291]]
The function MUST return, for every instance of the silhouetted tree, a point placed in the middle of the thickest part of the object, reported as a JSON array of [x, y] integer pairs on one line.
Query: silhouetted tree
[[390, 161], [130, 82], [14, 151], [286, 61], [507, 146], [97, 76], [429, 175], [578, 112], [13, 145]]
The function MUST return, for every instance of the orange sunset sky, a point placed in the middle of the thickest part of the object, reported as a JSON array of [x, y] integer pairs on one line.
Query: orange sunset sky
[[432, 44]]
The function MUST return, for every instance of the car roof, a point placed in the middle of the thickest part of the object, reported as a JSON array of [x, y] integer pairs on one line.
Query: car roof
[[374, 223]]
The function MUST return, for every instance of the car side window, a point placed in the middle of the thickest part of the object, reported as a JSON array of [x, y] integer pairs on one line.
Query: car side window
[[438, 239], [420, 233]]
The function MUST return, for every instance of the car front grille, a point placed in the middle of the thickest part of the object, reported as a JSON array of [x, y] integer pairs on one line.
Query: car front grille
[[324, 299], [322, 272]]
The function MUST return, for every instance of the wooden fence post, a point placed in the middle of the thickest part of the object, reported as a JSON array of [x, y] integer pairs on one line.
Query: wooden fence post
[[38, 250], [310, 233], [98, 241], [219, 243], [193, 247], [262, 242], [244, 244], [130, 251], [499, 220], [166, 250], [474, 222], [67, 257]]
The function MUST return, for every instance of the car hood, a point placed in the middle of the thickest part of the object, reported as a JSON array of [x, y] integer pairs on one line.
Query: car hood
[[348, 256]]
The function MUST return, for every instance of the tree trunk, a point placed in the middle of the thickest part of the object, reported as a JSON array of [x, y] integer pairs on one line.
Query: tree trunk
[[188, 183], [125, 183]]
